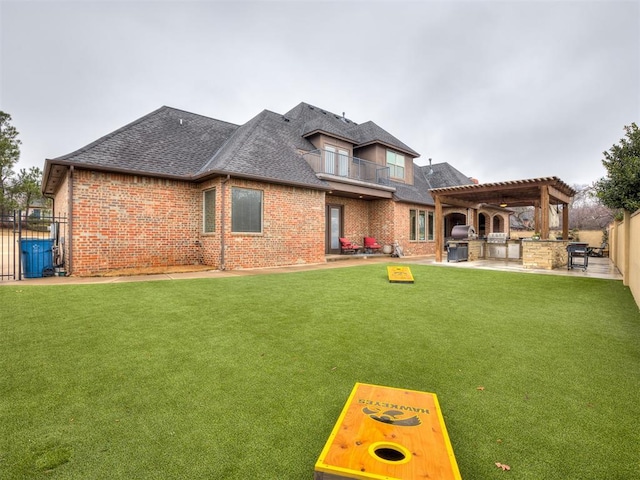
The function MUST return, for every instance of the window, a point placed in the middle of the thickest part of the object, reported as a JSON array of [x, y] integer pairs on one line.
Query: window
[[413, 225], [420, 225], [330, 160], [246, 210], [395, 162], [343, 165], [209, 211]]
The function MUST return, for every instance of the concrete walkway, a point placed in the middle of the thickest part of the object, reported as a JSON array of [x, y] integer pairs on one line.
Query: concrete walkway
[[598, 268]]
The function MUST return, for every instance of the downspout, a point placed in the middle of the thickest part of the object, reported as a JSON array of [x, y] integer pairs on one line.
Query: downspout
[[70, 223], [222, 222]]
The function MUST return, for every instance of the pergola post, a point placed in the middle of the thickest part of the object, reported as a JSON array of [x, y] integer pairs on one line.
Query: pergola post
[[536, 216], [544, 212], [439, 227], [565, 221]]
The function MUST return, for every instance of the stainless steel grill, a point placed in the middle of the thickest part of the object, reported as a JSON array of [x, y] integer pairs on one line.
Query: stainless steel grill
[[497, 237]]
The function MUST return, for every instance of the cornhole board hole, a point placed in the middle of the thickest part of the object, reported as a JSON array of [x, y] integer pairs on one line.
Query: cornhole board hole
[[388, 433], [399, 274]]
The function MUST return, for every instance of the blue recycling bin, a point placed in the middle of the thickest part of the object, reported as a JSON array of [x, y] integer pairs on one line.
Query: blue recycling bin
[[37, 256]]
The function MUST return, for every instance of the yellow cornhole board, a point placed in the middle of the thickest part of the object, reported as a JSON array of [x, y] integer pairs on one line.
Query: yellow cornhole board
[[400, 274], [388, 433]]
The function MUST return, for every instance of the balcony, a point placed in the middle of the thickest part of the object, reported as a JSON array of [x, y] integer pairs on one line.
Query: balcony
[[353, 168]]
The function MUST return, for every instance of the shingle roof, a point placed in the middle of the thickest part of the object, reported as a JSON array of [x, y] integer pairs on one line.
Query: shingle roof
[[428, 177], [370, 133], [174, 143], [313, 119], [441, 175], [165, 142], [416, 193], [266, 147]]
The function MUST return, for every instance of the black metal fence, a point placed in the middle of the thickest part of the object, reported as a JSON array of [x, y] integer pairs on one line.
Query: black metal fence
[[32, 246]]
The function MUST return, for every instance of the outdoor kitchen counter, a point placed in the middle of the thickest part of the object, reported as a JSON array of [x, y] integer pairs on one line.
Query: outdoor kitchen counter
[[505, 249], [544, 254]]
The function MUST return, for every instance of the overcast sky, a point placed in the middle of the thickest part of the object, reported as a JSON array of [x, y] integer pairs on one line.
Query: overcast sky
[[501, 90]]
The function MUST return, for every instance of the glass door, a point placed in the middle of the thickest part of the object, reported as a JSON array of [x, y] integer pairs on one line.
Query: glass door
[[333, 229]]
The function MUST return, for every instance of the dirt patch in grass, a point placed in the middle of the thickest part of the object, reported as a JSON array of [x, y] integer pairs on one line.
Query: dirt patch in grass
[[128, 272]]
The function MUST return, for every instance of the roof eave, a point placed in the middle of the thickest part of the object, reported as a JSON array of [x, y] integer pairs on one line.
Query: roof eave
[[406, 151], [257, 178], [184, 178], [330, 134]]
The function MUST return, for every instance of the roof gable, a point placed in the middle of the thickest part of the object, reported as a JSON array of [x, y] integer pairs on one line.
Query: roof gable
[[369, 133], [313, 119]]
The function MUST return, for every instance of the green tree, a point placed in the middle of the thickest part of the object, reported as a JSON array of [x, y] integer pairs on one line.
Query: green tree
[[620, 189], [25, 191], [9, 155]]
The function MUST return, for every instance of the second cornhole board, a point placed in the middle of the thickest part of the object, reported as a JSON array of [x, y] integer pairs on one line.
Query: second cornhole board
[[399, 274], [388, 433]]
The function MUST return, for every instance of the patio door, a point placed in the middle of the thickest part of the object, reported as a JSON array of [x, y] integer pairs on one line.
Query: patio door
[[333, 229]]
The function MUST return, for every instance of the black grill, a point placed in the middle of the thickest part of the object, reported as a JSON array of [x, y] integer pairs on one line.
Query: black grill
[[460, 232], [458, 249], [578, 255]]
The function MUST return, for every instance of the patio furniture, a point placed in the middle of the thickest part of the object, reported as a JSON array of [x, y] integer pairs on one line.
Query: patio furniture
[[347, 246], [371, 245], [597, 251]]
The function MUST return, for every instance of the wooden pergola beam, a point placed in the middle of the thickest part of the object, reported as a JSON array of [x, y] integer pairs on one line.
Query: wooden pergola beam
[[455, 202], [558, 195]]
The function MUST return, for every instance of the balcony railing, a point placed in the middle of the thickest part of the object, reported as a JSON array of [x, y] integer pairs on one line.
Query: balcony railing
[[354, 168]]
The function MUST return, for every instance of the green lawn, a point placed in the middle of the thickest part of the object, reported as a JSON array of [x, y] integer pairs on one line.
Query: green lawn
[[244, 377]]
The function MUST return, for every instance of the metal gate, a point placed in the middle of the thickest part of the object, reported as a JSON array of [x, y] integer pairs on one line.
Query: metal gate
[[32, 246]]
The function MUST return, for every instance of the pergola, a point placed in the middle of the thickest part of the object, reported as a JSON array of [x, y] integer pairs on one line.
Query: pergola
[[538, 192]]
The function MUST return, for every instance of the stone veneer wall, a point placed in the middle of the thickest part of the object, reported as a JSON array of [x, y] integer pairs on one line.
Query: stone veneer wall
[[476, 249], [544, 254]]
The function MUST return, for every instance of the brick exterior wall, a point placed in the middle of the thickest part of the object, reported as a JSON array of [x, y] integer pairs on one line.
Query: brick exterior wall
[[382, 221], [363, 218], [385, 220], [402, 230], [356, 217], [124, 221], [293, 228]]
